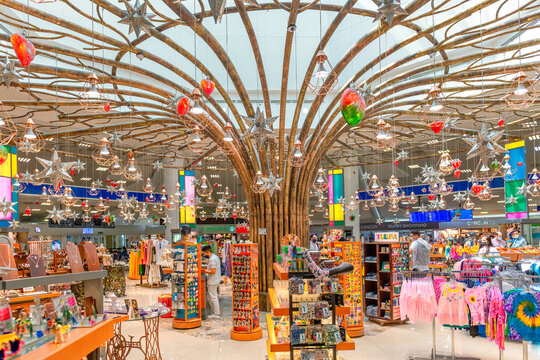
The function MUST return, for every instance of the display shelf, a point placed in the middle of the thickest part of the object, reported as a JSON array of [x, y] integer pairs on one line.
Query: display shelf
[[245, 294], [274, 346], [284, 311], [186, 286], [281, 273]]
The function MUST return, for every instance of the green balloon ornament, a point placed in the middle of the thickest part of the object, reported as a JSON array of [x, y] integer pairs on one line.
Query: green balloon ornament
[[495, 165], [352, 106]]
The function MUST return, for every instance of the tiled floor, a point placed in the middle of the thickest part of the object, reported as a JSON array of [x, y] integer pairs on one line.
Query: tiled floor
[[211, 341]]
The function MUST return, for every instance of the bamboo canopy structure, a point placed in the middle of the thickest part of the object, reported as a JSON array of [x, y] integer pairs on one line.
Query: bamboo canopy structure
[[471, 59]]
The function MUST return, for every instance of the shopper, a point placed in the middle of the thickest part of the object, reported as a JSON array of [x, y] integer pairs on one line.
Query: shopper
[[420, 250], [341, 239], [488, 247], [498, 240], [313, 243], [519, 241], [213, 279]]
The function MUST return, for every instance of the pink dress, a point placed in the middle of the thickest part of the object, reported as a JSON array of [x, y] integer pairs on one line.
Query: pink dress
[[476, 298], [417, 301], [452, 306]]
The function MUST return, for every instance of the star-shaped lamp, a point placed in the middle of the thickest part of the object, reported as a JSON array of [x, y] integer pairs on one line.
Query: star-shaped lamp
[[387, 10], [485, 145], [55, 170], [218, 7], [137, 18], [271, 183], [259, 127], [379, 221], [8, 74]]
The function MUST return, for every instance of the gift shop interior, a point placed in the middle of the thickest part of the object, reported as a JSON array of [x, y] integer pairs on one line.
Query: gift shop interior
[[269, 180]]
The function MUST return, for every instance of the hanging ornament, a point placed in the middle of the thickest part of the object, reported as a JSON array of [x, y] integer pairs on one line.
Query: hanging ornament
[[208, 86], [353, 106], [116, 166], [196, 108], [319, 206], [8, 73], [260, 128], [271, 183], [394, 192], [31, 140], [384, 139], [8, 131], [218, 7], [412, 199], [24, 49], [445, 164], [321, 181], [227, 194], [258, 185], [500, 122], [137, 18], [17, 186], [387, 11], [55, 170], [202, 215], [522, 93], [393, 208], [204, 189], [104, 156], [298, 158], [93, 190], [374, 187], [92, 97], [182, 106], [132, 170], [324, 78]]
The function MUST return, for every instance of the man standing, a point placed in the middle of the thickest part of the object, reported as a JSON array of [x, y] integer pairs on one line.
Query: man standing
[[519, 241], [498, 241], [421, 251], [213, 279]]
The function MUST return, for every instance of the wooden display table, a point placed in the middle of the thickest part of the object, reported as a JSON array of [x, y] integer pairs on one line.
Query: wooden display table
[[25, 301], [79, 342]]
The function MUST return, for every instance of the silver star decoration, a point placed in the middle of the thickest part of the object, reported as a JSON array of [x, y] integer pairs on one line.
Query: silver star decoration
[[511, 200], [450, 123], [455, 218], [173, 100], [460, 196], [471, 179], [403, 155], [271, 183], [366, 176], [79, 165], [6, 207], [158, 165], [523, 190], [396, 221], [218, 7], [430, 175], [224, 215], [367, 94], [418, 179], [422, 208], [387, 10], [55, 170], [167, 219], [485, 145], [14, 224], [111, 189], [98, 183], [114, 137], [195, 182], [55, 215], [129, 216], [137, 18], [379, 221], [259, 127], [8, 74], [26, 177], [216, 214]]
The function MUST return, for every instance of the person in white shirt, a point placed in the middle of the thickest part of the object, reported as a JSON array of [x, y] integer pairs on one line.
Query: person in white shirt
[[313, 244], [421, 251], [488, 248], [213, 278], [498, 241]]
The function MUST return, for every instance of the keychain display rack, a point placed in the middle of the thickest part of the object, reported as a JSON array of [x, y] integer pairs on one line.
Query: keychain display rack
[[351, 252], [245, 294], [186, 285], [382, 287]]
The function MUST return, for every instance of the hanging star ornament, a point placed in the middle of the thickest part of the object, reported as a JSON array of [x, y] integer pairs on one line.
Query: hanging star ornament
[[366, 176], [6, 207], [511, 200], [388, 9], [418, 179], [367, 94], [98, 183], [271, 183], [460, 196], [218, 7], [8, 74], [259, 127], [403, 155], [523, 190], [79, 165], [137, 18], [26, 177], [396, 221], [14, 224], [114, 137], [485, 145], [158, 165], [379, 221], [55, 215], [55, 170]]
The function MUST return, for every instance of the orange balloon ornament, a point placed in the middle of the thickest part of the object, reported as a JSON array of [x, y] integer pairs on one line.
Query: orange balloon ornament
[[182, 106], [208, 86], [25, 50]]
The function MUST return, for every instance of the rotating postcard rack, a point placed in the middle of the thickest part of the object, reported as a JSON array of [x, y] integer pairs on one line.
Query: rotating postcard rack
[[186, 286]]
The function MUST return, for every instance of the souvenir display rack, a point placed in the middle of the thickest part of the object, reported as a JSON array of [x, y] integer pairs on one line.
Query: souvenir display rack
[[437, 256], [186, 285], [351, 252], [276, 344], [245, 295], [381, 262]]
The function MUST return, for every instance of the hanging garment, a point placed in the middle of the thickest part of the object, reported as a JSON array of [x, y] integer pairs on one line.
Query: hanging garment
[[438, 284], [417, 300], [154, 274], [452, 306], [496, 322], [524, 315], [476, 300]]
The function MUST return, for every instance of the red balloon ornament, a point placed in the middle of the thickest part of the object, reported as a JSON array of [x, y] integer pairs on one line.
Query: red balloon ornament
[[208, 86], [28, 211], [476, 188], [500, 122], [431, 196], [25, 50], [437, 126], [456, 164], [182, 106], [457, 172]]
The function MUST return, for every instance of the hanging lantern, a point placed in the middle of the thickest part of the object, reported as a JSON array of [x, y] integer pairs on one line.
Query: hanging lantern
[[393, 208], [196, 108], [326, 214], [93, 191], [92, 98], [258, 185], [227, 194], [209, 200], [31, 140], [202, 215], [67, 197], [44, 194], [486, 193], [298, 158], [132, 170], [374, 187], [352, 204], [319, 206], [177, 194], [8, 131], [148, 187], [204, 189], [116, 166], [228, 137], [379, 199], [243, 213], [164, 197], [384, 140], [353, 106], [220, 208], [365, 207], [36, 180], [324, 77], [413, 199], [194, 142], [321, 181], [25, 50], [522, 93], [17, 186], [103, 155], [395, 194]]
